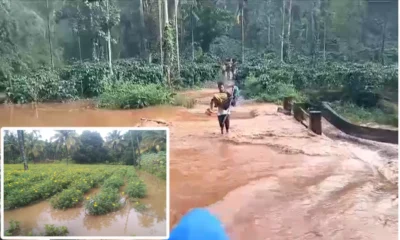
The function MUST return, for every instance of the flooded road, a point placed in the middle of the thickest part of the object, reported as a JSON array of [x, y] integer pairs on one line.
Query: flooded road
[[269, 178], [125, 222]]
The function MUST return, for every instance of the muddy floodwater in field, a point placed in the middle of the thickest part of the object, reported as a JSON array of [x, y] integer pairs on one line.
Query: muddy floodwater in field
[[270, 178], [128, 221]]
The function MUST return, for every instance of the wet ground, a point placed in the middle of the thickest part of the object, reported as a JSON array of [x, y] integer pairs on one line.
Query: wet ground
[[270, 178], [125, 222]]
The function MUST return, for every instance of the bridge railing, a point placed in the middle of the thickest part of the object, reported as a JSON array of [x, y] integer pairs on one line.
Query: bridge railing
[[311, 118]]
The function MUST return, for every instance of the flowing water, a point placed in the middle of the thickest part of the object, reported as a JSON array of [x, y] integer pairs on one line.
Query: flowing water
[[269, 178], [125, 222]]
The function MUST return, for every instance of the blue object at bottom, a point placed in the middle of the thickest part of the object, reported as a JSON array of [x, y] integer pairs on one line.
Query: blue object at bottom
[[199, 224]]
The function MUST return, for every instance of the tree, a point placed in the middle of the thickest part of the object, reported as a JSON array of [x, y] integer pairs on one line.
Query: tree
[[11, 147], [67, 139], [143, 30], [160, 26], [49, 33], [91, 149], [212, 23], [115, 142], [177, 36], [109, 37], [154, 140], [21, 142], [34, 146], [283, 10]]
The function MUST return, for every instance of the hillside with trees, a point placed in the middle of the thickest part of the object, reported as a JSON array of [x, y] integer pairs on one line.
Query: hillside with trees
[[117, 50]]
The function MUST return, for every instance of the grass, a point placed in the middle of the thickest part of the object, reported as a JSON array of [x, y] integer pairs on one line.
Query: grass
[[184, 101], [384, 114]]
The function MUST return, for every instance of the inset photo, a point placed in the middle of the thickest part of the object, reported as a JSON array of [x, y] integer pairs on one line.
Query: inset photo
[[83, 183]]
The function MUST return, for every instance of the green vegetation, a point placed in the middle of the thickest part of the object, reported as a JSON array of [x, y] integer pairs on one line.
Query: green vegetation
[[51, 230], [380, 115], [356, 86], [86, 148], [66, 186], [128, 95], [104, 202], [183, 101], [153, 163], [68, 198], [283, 47], [136, 188], [132, 85], [13, 229]]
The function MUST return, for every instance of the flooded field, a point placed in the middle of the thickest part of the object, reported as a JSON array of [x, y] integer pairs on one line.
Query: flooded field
[[270, 178], [145, 217]]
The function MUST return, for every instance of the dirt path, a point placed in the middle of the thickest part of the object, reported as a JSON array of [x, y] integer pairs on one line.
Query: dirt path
[[269, 178], [272, 179]]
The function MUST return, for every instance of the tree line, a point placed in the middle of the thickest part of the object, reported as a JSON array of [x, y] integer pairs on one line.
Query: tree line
[[164, 31], [85, 148]]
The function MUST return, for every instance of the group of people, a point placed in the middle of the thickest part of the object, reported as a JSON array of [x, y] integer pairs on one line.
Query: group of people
[[229, 69]]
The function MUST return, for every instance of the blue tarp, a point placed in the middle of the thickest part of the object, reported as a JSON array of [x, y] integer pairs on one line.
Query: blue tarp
[[199, 224]]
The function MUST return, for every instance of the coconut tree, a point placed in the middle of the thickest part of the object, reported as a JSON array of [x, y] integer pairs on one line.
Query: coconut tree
[[34, 147], [153, 140], [67, 139], [115, 141]]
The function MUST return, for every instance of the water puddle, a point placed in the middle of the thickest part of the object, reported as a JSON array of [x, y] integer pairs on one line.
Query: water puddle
[[126, 222], [78, 114]]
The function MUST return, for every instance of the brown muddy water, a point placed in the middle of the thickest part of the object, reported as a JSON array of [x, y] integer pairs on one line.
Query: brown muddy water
[[270, 178], [125, 222]]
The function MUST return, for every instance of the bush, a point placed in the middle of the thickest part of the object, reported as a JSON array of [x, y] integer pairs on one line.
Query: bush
[[131, 173], [114, 181], [42, 85], [154, 163], [184, 101], [104, 202], [266, 90], [364, 115], [136, 188], [88, 80], [67, 199], [13, 229], [83, 186], [359, 83], [194, 74], [20, 197], [129, 95], [50, 187], [51, 230]]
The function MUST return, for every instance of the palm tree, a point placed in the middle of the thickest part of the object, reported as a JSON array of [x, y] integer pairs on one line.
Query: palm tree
[[21, 142], [10, 146], [34, 146], [154, 139], [114, 140], [67, 139]]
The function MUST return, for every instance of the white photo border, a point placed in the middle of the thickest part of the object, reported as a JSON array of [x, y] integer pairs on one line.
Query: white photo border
[[90, 129]]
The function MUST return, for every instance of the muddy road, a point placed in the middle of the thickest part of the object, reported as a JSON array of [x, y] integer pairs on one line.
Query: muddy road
[[270, 178]]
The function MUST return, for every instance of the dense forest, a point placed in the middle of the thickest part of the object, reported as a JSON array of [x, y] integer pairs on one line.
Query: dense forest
[[131, 54], [89, 147]]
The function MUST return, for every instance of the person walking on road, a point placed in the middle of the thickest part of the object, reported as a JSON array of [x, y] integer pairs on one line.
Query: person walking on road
[[222, 101]]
